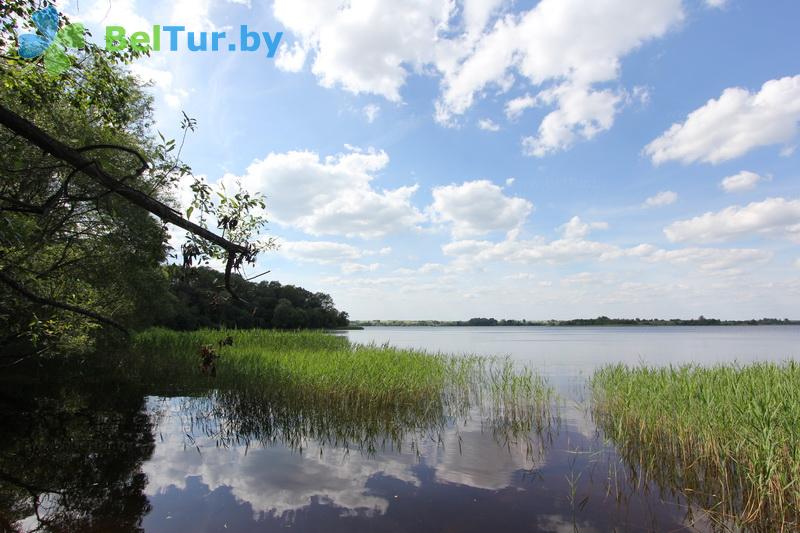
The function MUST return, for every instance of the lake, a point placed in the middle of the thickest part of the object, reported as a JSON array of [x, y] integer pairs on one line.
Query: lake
[[124, 456]]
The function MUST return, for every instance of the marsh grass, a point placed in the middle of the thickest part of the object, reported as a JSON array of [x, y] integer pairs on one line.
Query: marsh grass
[[294, 386], [320, 366], [725, 438]]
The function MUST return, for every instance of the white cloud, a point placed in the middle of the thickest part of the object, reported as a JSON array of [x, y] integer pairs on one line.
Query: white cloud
[[743, 181], [162, 79], [661, 199], [521, 276], [291, 58], [564, 47], [525, 251], [516, 106], [364, 46], [324, 252], [352, 268], [571, 247], [559, 40], [640, 94], [577, 229], [581, 113], [586, 278], [773, 216], [488, 124], [574, 247], [732, 125], [716, 3], [371, 112], [478, 207], [332, 196], [427, 268], [576, 250], [705, 258], [477, 13], [331, 253], [568, 42], [510, 182]]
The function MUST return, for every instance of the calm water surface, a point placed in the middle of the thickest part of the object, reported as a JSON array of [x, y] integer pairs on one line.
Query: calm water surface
[[573, 350], [119, 457]]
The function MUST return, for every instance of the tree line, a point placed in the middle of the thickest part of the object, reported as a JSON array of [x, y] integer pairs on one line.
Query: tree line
[[599, 321], [195, 299]]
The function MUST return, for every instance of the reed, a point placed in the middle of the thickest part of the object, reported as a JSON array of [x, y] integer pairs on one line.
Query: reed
[[323, 370], [726, 438]]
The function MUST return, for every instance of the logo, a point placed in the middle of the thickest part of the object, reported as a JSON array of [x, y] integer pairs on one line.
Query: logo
[[50, 41], [117, 39]]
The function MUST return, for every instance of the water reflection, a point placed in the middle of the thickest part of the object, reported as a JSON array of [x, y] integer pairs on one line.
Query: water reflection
[[89, 456], [327, 454], [461, 478], [71, 457], [121, 455]]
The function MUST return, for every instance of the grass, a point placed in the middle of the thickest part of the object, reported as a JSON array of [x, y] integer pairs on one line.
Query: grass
[[318, 385], [727, 438], [320, 365]]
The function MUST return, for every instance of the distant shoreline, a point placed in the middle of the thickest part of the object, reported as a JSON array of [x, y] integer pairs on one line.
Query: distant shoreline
[[590, 322]]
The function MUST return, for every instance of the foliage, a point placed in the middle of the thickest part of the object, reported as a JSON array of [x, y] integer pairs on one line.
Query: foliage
[[66, 239], [727, 437], [100, 252], [197, 300]]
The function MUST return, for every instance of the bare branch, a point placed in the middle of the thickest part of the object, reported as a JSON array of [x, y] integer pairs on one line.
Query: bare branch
[[258, 275], [228, 268]]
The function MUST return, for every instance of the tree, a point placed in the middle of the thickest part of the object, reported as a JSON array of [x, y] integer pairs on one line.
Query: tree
[[287, 316], [196, 299], [86, 196]]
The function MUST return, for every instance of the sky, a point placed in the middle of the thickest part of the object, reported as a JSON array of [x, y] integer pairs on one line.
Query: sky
[[441, 159]]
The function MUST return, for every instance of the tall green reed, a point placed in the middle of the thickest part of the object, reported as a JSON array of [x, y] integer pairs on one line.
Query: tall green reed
[[727, 438], [317, 385]]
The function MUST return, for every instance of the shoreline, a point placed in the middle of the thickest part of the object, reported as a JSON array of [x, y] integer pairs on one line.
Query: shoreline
[[363, 325]]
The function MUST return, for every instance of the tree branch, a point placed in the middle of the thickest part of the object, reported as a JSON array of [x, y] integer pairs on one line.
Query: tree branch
[[53, 303], [92, 168], [228, 268]]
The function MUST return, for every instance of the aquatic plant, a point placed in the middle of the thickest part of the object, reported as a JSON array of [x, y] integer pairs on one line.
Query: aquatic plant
[[315, 385], [725, 438]]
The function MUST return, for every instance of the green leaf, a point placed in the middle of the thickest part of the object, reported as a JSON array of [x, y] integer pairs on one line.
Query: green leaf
[[55, 60], [189, 211], [71, 36]]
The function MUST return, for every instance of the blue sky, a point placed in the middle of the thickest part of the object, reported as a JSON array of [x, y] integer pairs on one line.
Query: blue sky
[[553, 159]]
